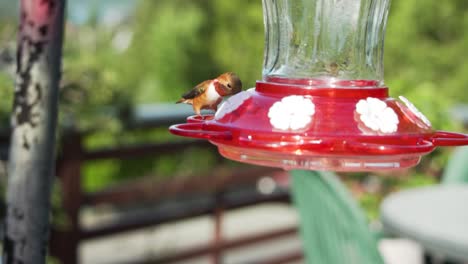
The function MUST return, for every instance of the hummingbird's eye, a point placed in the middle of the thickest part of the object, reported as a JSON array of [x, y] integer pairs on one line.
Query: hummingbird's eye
[[229, 85]]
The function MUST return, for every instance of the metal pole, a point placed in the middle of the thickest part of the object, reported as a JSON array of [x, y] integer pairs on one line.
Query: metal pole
[[34, 118]]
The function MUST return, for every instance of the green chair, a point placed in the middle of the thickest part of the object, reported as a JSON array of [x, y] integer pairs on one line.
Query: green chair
[[333, 228], [456, 171]]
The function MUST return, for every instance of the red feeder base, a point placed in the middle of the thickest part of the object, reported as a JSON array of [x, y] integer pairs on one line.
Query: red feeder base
[[342, 129]]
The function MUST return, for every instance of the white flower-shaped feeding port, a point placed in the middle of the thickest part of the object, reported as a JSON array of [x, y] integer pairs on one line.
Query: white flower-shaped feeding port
[[415, 112], [232, 104], [377, 116], [291, 113]]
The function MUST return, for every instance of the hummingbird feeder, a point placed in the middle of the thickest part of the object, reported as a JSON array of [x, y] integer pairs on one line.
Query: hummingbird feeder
[[322, 103]]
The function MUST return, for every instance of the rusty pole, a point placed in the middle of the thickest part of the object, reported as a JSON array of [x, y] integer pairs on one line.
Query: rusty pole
[[34, 118]]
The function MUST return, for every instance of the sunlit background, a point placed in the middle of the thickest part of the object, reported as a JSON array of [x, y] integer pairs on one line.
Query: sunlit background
[[121, 55]]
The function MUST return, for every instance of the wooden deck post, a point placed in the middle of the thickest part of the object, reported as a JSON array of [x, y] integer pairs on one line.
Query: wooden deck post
[[65, 241]]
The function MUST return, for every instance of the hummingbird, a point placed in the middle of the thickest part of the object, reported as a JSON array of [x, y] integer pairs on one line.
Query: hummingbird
[[208, 94]]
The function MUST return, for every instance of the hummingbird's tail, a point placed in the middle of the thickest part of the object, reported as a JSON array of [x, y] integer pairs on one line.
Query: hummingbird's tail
[[185, 101]]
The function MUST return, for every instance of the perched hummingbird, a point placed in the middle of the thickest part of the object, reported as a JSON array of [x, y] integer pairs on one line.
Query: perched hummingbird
[[208, 94]]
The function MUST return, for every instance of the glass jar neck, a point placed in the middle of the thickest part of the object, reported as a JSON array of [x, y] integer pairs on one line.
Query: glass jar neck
[[324, 41]]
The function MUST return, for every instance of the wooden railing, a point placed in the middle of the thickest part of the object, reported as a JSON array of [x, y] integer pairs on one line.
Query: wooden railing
[[215, 193]]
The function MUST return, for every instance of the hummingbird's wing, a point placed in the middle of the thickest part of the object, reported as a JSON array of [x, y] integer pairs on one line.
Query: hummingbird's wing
[[197, 90]]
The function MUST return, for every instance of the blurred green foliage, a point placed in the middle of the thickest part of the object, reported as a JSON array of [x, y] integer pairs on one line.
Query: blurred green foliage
[[164, 47], [170, 45], [425, 55]]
